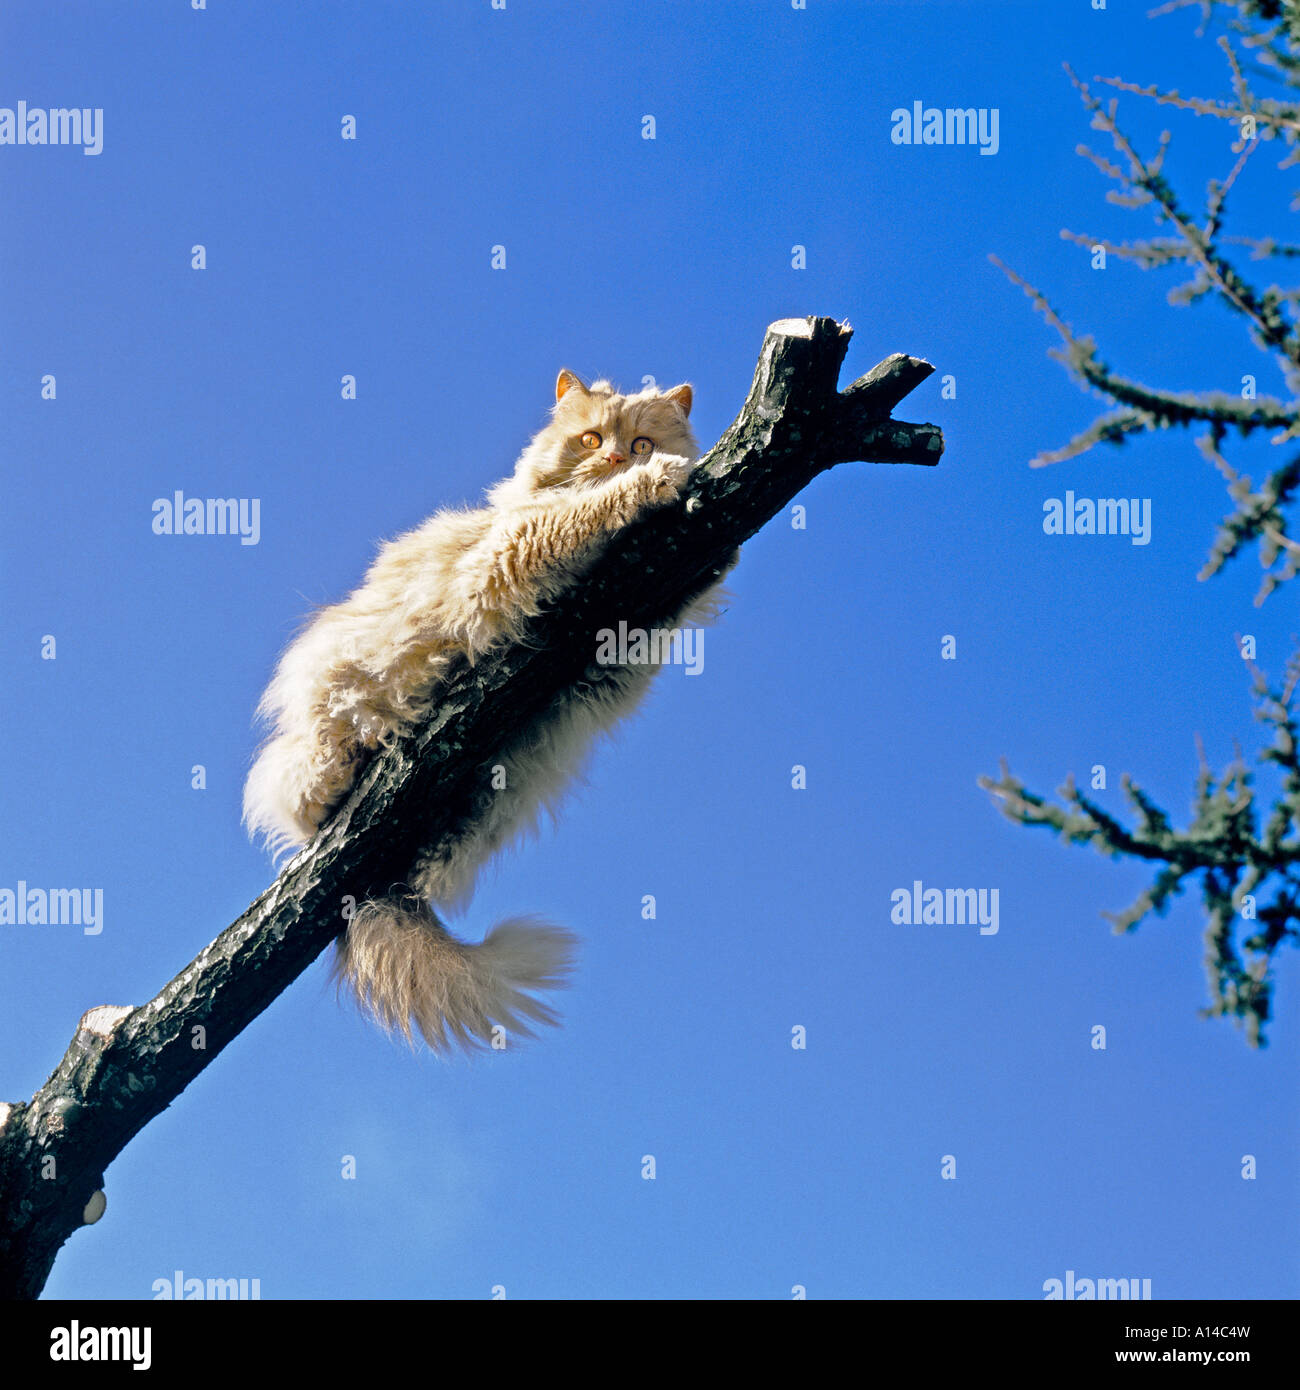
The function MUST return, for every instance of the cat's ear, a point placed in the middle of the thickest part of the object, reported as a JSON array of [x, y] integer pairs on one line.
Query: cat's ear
[[566, 382], [683, 395]]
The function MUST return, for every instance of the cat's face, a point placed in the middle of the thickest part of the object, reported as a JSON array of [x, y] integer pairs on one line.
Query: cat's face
[[596, 432]]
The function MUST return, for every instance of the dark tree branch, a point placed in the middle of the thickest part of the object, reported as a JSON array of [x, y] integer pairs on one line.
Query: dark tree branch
[[124, 1067]]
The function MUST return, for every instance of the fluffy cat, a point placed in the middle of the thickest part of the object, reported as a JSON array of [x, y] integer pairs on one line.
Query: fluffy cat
[[367, 670]]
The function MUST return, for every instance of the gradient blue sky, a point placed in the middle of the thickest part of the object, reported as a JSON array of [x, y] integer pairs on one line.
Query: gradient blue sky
[[775, 1167]]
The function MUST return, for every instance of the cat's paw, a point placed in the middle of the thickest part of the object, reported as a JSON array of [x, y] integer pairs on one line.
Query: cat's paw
[[665, 477]]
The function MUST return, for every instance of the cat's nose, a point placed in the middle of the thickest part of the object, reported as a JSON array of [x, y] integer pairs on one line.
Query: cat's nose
[[615, 458]]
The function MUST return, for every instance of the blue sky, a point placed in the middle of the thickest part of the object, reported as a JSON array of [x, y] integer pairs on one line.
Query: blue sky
[[775, 1168]]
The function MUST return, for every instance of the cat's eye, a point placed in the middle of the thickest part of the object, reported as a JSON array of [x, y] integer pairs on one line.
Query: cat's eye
[[642, 445], [591, 440]]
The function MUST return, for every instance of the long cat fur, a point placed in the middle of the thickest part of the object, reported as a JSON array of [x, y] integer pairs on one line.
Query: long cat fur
[[367, 670]]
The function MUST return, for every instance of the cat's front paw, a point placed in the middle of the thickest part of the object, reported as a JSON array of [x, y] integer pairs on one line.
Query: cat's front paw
[[666, 476]]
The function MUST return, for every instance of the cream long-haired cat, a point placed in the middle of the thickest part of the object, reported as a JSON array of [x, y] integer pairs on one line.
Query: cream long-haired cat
[[368, 669]]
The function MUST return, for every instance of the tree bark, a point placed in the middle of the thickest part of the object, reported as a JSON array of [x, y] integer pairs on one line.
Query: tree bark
[[123, 1067]]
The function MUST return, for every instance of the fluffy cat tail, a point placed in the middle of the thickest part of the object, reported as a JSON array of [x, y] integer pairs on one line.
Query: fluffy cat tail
[[409, 973]]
